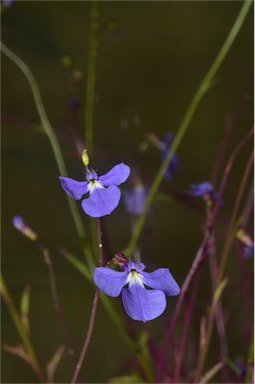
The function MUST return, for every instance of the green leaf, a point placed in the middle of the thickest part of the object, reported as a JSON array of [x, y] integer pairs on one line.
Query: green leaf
[[24, 308], [53, 363]]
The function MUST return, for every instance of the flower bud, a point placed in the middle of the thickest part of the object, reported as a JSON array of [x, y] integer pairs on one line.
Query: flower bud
[[20, 225], [85, 158]]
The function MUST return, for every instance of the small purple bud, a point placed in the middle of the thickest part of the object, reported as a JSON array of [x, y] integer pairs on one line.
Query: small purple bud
[[20, 225]]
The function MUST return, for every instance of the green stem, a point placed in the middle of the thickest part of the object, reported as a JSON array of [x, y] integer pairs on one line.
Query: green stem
[[205, 85], [91, 76], [51, 136], [22, 331]]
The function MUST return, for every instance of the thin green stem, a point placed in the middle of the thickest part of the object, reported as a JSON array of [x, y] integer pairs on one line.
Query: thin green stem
[[22, 331], [205, 85], [91, 76], [51, 136]]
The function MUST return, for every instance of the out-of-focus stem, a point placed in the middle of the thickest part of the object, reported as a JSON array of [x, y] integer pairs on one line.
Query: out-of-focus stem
[[91, 76], [22, 331], [187, 320], [201, 252], [205, 85], [229, 240], [56, 301], [51, 136]]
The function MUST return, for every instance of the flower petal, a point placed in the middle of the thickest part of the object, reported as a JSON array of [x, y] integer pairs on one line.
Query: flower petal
[[101, 201], [143, 304], [161, 279], [134, 199], [109, 281], [116, 176], [201, 189], [76, 189]]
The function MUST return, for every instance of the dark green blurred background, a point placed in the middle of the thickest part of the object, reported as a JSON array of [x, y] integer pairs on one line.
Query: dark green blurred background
[[151, 67]]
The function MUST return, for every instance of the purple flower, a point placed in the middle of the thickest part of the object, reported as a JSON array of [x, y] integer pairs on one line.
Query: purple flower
[[174, 163], [203, 189], [139, 302], [103, 193], [134, 199]]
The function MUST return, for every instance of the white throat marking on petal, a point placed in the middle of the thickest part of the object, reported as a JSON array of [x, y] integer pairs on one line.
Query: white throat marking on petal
[[94, 184], [134, 278]]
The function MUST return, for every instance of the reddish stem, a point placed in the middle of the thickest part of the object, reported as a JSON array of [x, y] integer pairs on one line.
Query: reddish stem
[[200, 254]]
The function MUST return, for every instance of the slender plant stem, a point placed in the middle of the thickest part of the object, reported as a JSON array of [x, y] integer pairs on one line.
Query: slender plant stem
[[213, 264], [22, 332], [229, 240], [202, 251], [248, 206], [51, 136], [205, 85], [93, 312], [187, 321], [56, 301], [91, 76], [87, 338]]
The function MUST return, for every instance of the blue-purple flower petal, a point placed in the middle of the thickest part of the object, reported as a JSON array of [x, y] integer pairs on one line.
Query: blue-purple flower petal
[[135, 198], [143, 304], [174, 163], [109, 281], [161, 279], [101, 201], [116, 176], [76, 189], [201, 189]]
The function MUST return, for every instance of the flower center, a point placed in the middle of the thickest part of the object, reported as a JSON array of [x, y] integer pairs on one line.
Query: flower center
[[93, 184], [134, 278]]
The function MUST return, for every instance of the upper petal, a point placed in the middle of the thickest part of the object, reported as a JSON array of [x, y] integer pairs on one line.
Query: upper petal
[[74, 188], [101, 201], [109, 281], [161, 279], [143, 304], [117, 175]]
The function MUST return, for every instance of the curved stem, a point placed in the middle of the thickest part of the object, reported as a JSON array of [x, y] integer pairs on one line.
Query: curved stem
[[205, 85], [51, 136]]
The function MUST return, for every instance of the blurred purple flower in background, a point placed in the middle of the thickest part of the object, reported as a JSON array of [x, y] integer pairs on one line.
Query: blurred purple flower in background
[[139, 302], [103, 193], [134, 198], [202, 189], [174, 163], [249, 251], [8, 3]]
